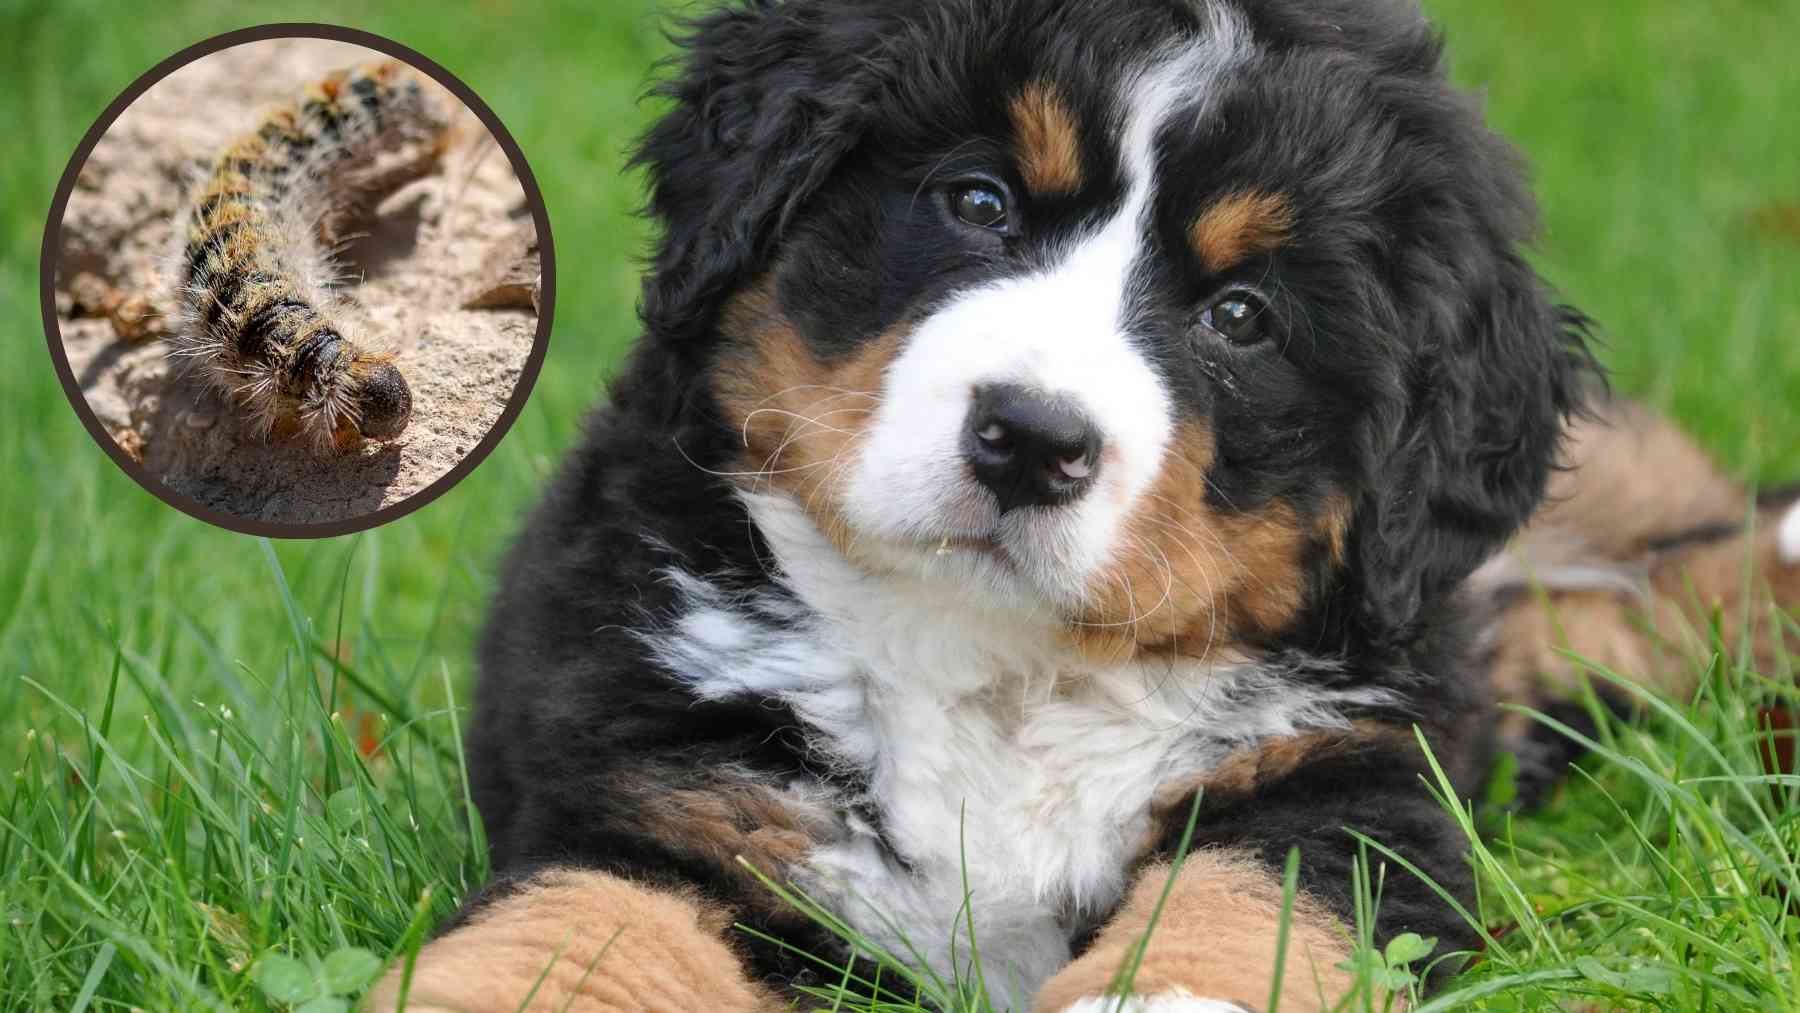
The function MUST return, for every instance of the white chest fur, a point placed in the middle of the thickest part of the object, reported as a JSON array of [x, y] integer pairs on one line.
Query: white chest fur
[[993, 756]]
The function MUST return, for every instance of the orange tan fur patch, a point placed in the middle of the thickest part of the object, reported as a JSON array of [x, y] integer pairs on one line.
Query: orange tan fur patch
[[1245, 771], [586, 942], [1655, 636], [1190, 579], [1216, 939], [1334, 527], [1632, 479], [724, 822], [1239, 226], [1049, 149], [800, 418]]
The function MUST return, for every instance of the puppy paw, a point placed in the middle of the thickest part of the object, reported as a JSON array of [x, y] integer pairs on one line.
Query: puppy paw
[[1175, 1000], [1787, 538]]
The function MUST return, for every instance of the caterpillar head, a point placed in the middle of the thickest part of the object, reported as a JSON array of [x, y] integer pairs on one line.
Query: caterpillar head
[[382, 399]]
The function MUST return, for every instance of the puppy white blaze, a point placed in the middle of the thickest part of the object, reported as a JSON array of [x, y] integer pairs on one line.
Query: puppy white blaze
[[1063, 331]]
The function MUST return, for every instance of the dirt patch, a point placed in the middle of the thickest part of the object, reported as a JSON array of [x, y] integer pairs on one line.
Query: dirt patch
[[443, 275]]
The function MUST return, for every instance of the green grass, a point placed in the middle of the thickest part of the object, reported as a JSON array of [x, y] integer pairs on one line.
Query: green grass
[[189, 825]]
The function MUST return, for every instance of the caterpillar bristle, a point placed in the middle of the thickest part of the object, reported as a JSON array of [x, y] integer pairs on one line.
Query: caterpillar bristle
[[258, 267]]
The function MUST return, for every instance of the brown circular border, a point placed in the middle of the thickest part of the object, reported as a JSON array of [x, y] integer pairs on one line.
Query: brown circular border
[[52, 245]]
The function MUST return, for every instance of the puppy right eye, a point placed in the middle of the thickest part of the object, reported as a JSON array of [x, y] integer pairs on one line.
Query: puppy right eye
[[981, 205], [1237, 316]]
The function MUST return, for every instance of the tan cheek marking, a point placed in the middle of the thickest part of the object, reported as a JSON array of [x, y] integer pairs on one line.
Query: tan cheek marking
[[607, 944], [799, 418], [1239, 226], [1188, 579], [1049, 149], [1216, 939]]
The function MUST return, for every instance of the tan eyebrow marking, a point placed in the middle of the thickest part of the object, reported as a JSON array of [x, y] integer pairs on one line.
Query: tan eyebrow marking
[[1048, 146], [1239, 225]]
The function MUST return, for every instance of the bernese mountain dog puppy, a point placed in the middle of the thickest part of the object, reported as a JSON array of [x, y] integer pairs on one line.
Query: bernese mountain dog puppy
[[1054, 419]]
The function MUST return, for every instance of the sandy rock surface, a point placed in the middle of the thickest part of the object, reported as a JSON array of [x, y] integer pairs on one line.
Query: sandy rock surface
[[460, 237]]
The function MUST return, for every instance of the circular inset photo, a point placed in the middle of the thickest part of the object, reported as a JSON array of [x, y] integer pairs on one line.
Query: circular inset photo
[[297, 280]]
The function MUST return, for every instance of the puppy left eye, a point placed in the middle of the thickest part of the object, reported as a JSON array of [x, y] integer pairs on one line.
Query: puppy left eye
[[1238, 317], [980, 205]]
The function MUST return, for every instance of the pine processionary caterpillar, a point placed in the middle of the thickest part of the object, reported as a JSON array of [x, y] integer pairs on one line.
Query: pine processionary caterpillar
[[254, 280]]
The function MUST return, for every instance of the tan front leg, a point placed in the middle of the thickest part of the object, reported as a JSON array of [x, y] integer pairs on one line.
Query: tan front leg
[[1216, 941], [607, 944]]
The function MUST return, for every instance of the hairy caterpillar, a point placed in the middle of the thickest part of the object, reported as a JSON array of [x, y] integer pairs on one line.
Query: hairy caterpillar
[[254, 281]]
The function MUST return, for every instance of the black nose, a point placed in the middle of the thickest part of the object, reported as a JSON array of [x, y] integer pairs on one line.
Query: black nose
[[1028, 449]]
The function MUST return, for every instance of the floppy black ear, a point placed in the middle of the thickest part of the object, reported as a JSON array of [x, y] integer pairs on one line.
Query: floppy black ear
[[759, 121], [1498, 368]]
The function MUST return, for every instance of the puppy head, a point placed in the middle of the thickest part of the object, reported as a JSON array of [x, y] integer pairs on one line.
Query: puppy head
[[1191, 322]]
